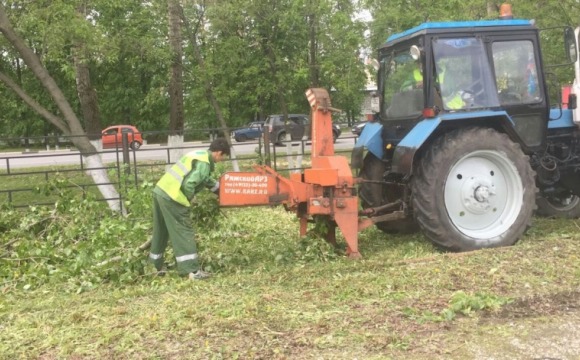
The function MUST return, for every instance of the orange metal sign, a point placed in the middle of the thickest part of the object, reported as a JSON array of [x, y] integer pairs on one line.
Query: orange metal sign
[[246, 188]]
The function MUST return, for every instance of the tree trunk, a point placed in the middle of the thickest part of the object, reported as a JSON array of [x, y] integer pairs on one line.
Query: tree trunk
[[314, 73], [492, 9], [70, 125], [85, 90], [208, 86], [175, 138], [87, 96]]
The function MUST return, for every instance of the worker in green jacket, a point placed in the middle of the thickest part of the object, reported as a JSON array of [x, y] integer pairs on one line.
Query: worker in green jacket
[[171, 207]]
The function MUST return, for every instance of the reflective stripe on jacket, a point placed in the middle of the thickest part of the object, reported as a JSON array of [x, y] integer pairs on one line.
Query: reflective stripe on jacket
[[171, 182]]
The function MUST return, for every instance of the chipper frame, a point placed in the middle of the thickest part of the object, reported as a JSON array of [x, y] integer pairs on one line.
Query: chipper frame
[[326, 190]]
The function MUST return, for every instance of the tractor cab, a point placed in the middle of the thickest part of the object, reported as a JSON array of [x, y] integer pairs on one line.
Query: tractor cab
[[465, 139], [473, 71]]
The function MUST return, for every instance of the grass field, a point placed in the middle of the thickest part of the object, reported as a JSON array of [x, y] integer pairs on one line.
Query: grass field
[[275, 296]]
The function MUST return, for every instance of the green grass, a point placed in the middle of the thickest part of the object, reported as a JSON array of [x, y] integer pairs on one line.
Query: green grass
[[275, 296]]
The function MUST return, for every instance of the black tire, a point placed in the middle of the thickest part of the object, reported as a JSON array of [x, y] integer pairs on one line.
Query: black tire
[[561, 207], [473, 188], [334, 136], [373, 194], [281, 138], [135, 145]]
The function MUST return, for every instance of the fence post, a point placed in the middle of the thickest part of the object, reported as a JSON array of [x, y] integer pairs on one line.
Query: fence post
[[267, 147], [126, 158]]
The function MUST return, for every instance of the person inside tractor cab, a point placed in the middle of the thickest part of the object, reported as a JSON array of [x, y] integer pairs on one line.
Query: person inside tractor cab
[[463, 74], [531, 77], [414, 79], [451, 97]]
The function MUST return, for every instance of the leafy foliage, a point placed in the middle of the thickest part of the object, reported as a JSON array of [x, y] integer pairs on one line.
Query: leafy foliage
[[81, 244], [79, 241], [272, 297], [255, 60], [468, 304]]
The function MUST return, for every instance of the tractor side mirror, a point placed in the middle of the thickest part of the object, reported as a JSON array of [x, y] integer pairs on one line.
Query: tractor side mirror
[[570, 43], [415, 52], [572, 101]]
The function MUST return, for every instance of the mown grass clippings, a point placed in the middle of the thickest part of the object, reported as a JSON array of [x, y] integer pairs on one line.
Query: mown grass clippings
[[273, 295]]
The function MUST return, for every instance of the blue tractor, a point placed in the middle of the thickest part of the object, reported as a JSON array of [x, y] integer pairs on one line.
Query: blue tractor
[[466, 144]]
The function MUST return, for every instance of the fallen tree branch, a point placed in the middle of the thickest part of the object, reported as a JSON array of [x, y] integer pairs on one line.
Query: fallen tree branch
[[25, 259], [110, 261], [146, 245], [9, 243]]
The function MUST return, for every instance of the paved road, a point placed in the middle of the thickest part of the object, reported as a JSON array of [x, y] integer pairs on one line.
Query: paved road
[[16, 160]]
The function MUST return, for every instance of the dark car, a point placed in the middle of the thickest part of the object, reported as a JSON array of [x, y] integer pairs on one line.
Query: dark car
[[251, 132], [358, 128], [297, 128]]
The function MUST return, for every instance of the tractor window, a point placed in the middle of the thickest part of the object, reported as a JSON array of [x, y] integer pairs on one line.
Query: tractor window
[[463, 75], [515, 72], [402, 89]]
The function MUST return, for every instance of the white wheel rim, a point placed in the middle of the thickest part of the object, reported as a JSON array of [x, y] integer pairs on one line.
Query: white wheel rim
[[483, 194], [564, 204]]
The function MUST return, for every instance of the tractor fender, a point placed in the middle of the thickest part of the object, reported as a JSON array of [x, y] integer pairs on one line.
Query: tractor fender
[[561, 119], [371, 139], [407, 149]]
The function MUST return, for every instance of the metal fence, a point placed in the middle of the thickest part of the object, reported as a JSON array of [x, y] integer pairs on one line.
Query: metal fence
[[31, 176]]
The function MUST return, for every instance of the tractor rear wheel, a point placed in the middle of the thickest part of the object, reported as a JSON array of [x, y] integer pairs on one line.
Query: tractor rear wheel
[[375, 194], [473, 188], [565, 206]]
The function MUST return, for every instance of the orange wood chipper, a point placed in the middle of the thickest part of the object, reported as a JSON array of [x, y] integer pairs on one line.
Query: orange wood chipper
[[327, 189]]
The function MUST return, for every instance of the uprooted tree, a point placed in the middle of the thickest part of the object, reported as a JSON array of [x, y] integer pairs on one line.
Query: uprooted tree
[[66, 121]]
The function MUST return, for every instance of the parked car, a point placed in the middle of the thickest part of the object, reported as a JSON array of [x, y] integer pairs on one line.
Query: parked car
[[358, 128], [251, 132], [113, 136], [336, 131], [298, 127]]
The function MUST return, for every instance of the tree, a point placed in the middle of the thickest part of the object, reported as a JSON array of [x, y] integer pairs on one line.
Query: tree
[[175, 139], [68, 121], [86, 92], [340, 41], [208, 87]]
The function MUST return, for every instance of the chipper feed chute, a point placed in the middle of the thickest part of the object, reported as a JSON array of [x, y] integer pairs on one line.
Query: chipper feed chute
[[324, 190]]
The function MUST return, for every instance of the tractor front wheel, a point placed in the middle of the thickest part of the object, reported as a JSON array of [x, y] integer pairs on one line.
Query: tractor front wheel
[[565, 206], [473, 188]]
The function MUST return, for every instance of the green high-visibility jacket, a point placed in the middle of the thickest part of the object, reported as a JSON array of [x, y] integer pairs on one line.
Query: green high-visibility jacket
[[187, 177]]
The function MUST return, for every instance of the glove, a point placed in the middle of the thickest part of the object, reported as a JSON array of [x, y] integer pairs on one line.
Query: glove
[[216, 188]]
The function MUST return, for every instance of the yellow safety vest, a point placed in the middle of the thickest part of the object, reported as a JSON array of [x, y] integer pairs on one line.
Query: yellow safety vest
[[171, 182], [417, 75], [455, 103]]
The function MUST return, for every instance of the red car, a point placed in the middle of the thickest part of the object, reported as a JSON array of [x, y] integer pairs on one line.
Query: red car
[[113, 136]]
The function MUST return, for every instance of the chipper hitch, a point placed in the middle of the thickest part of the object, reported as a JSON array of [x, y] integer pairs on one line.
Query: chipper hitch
[[327, 189]]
